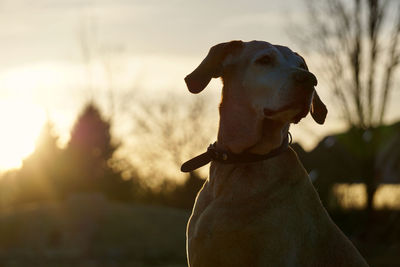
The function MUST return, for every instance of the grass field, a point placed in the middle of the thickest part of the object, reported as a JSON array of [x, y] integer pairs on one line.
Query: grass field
[[89, 230]]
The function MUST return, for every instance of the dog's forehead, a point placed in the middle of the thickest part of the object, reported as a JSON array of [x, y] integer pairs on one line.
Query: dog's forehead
[[255, 48]]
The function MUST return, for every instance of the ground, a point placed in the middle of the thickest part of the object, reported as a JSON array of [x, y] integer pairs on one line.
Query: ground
[[89, 230]]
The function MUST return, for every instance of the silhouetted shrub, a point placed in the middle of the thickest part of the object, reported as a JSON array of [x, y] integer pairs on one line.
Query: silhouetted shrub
[[36, 178], [88, 157]]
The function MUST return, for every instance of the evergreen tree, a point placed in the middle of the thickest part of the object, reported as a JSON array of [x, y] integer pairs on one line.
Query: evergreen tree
[[38, 173], [88, 158]]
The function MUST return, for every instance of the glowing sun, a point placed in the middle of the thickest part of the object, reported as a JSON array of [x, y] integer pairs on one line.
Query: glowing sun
[[21, 123]]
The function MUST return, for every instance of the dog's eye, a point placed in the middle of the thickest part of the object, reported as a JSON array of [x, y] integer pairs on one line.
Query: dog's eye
[[264, 60]]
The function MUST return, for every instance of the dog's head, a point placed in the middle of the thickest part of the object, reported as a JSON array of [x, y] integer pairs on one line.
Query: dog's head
[[266, 87]]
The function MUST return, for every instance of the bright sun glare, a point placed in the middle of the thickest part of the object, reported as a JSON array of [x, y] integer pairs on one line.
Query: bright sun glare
[[21, 123]]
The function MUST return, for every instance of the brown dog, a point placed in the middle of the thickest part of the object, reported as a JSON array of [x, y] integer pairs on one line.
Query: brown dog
[[266, 212]]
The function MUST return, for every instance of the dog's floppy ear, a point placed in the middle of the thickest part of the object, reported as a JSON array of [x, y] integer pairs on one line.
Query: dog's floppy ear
[[318, 109], [211, 66]]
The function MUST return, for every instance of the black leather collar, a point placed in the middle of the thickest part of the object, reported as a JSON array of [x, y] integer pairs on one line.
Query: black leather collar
[[226, 157]]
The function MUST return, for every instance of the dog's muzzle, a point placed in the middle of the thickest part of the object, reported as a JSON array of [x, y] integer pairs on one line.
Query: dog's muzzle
[[302, 90]]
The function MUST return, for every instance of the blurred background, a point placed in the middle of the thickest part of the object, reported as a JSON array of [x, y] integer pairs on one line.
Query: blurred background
[[96, 121]]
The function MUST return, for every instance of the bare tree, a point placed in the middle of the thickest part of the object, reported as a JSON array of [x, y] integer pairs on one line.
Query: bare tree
[[102, 60], [168, 131], [358, 46], [109, 58], [87, 37], [357, 43]]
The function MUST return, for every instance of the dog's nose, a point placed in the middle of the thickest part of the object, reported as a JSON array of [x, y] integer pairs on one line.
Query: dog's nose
[[305, 77]]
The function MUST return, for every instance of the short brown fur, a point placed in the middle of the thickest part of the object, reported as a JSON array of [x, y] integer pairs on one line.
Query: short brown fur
[[265, 213]]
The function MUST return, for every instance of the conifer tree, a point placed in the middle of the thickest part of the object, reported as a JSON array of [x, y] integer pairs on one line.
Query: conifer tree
[[89, 155], [37, 176]]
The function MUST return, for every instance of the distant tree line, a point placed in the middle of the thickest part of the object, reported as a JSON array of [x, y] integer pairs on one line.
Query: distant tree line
[[87, 164]]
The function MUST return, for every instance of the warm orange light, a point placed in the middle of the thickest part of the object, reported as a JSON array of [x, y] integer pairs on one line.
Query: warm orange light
[[353, 196], [20, 125]]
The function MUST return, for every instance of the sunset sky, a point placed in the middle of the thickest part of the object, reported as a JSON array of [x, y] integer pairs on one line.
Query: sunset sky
[[149, 45]]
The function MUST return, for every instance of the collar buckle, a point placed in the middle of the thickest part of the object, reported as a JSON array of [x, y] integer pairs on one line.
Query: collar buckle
[[217, 154]]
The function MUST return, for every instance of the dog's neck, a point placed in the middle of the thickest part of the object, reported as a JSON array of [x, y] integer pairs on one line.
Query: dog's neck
[[243, 128], [265, 175], [271, 134]]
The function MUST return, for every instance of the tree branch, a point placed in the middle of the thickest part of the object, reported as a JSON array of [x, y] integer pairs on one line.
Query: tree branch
[[394, 58]]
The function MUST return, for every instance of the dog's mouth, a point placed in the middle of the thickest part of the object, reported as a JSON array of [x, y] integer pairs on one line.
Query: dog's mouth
[[291, 113]]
